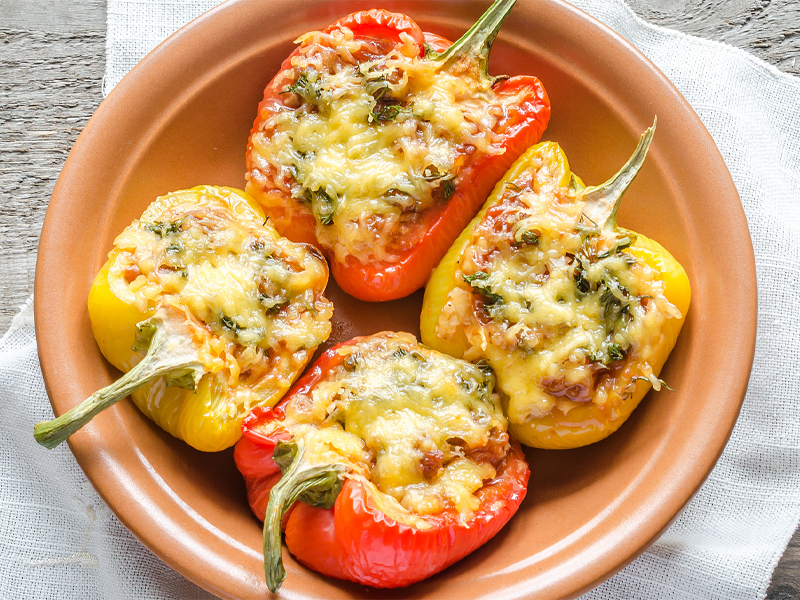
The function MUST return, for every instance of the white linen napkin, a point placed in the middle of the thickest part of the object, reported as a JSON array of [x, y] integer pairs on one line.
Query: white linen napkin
[[60, 540]]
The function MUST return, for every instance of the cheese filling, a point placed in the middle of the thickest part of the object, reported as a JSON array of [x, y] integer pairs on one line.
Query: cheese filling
[[367, 140], [564, 311], [255, 299], [423, 428]]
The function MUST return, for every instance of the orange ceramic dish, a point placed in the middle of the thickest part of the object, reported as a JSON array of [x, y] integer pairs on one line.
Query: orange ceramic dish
[[593, 509]]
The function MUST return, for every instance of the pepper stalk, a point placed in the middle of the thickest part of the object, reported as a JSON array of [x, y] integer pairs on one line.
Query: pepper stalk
[[477, 41], [602, 201], [316, 485], [171, 354]]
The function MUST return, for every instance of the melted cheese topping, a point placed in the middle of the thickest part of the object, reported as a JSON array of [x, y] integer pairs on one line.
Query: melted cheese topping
[[368, 140], [562, 311], [254, 298], [421, 427]]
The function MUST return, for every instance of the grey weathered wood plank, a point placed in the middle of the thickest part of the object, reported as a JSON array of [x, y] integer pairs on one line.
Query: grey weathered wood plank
[[769, 29], [54, 16], [49, 87]]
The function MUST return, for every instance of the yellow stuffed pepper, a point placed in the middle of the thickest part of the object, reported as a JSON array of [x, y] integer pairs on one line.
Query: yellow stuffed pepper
[[575, 315], [208, 311]]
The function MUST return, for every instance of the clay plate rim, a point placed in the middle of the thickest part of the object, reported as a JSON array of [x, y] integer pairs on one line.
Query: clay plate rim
[[120, 474]]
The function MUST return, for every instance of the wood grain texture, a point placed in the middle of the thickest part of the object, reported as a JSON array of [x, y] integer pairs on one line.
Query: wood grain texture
[[769, 29], [49, 87], [51, 69]]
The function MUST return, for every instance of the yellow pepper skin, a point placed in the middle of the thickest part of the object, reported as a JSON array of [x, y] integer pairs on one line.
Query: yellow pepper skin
[[585, 422], [204, 418]]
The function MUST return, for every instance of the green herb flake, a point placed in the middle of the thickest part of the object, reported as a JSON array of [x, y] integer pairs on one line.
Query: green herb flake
[[350, 363], [304, 87], [529, 238], [324, 210], [448, 189], [490, 298], [615, 352], [228, 323], [581, 283], [163, 229], [276, 308], [661, 382], [485, 367], [480, 275], [386, 112], [618, 247]]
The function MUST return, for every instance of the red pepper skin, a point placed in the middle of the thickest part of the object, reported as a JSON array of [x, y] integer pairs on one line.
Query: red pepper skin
[[362, 544], [354, 540], [379, 280], [380, 24]]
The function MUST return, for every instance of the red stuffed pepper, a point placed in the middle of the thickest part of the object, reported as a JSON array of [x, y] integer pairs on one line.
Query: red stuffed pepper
[[400, 459], [378, 142]]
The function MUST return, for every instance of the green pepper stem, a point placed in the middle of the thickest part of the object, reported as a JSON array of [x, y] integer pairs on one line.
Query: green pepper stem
[[298, 479], [170, 353], [478, 40], [602, 201]]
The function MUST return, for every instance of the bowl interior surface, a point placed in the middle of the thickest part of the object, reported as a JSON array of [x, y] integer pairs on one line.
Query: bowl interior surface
[[182, 118]]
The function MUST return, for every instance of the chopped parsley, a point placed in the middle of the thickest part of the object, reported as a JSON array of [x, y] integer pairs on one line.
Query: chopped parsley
[[608, 354], [276, 308], [490, 298], [581, 283], [323, 205], [529, 238], [386, 112], [620, 245], [448, 189], [163, 229], [305, 86], [229, 324], [399, 353], [661, 382]]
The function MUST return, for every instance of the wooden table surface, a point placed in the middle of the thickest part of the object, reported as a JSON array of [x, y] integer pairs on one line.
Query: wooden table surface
[[52, 57]]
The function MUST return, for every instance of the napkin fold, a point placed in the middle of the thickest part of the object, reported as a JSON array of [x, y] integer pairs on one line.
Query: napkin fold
[[60, 540]]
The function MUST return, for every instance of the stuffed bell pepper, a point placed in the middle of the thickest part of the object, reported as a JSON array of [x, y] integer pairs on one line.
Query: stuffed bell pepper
[[576, 315], [208, 311], [398, 455], [378, 142]]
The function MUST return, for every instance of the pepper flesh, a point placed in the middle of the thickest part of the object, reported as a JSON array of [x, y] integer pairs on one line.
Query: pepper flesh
[[400, 270], [584, 421], [365, 536], [228, 375]]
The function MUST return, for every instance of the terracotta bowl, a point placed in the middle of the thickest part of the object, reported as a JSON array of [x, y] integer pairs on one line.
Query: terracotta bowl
[[182, 118]]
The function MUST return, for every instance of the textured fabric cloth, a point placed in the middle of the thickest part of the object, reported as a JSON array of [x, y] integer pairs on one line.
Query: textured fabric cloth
[[62, 541]]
